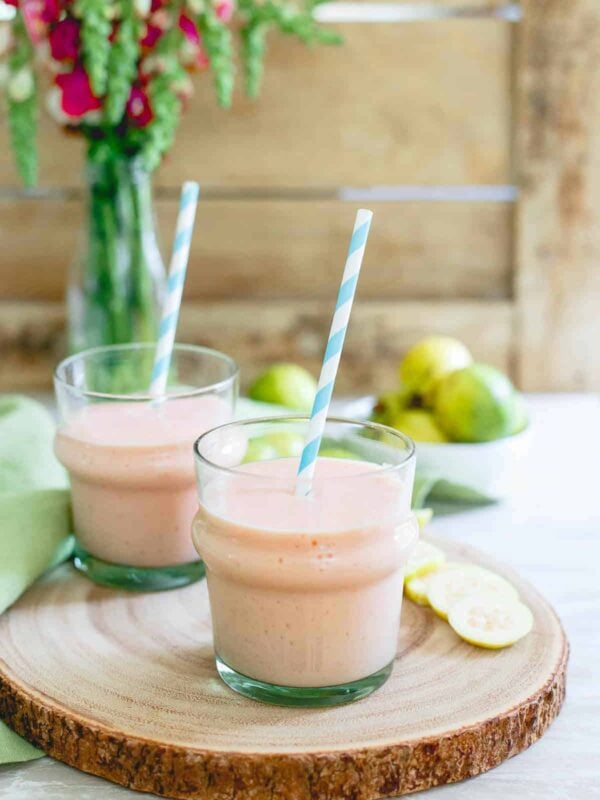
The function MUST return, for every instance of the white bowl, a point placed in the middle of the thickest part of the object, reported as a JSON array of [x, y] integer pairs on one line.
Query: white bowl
[[493, 469]]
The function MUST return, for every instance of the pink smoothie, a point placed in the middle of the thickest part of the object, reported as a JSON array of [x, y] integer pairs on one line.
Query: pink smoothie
[[132, 477], [306, 591]]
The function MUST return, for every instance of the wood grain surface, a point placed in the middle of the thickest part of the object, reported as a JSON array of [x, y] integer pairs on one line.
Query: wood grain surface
[[257, 333], [283, 249], [123, 686], [558, 151], [390, 106]]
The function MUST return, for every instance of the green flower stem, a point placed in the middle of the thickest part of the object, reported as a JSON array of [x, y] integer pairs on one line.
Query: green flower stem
[[122, 274], [143, 288], [105, 232]]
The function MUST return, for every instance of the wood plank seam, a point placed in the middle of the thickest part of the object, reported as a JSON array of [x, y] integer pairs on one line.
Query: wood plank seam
[[344, 12], [409, 193]]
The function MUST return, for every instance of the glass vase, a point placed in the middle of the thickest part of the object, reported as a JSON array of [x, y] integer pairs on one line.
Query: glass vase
[[117, 281]]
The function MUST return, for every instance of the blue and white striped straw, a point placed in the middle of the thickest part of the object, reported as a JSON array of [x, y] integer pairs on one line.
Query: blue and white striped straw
[[175, 281], [333, 351]]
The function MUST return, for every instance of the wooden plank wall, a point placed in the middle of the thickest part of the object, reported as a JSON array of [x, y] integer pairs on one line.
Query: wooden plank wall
[[411, 115], [558, 244]]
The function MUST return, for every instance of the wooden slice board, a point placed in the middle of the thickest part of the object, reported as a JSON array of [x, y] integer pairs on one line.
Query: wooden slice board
[[123, 686]]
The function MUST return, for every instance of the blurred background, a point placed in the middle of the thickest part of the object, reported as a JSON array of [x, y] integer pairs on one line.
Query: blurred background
[[470, 128]]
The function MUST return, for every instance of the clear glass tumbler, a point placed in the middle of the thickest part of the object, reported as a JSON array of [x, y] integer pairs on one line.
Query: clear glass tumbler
[[130, 462], [305, 591]]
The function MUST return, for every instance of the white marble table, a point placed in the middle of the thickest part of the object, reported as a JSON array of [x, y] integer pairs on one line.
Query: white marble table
[[551, 532]]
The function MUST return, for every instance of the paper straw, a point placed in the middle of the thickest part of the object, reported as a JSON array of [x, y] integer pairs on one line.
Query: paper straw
[[175, 281], [333, 351]]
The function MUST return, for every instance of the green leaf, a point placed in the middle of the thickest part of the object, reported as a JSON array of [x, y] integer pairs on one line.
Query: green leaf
[[260, 16], [157, 137], [217, 41], [122, 63], [22, 123], [22, 116], [153, 141], [96, 28], [297, 23], [253, 52]]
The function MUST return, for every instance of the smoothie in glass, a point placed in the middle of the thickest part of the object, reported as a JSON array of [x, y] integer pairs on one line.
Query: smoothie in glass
[[306, 592], [132, 477], [130, 462]]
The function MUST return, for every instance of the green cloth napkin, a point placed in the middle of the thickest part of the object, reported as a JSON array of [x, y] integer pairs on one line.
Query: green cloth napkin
[[35, 520], [13, 748], [444, 496]]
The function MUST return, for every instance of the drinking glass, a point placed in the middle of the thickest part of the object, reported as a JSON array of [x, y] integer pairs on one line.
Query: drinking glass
[[129, 458], [305, 591]]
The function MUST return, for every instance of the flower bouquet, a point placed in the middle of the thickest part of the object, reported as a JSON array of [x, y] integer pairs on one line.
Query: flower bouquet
[[117, 72]]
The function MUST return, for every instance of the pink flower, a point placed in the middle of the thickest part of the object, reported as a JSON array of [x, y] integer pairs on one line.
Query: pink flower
[[202, 60], [193, 55], [224, 10], [192, 51], [77, 96], [189, 29], [151, 64], [64, 40], [49, 11], [37, 15], [161, 18], [152, 35], [139, 109]]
